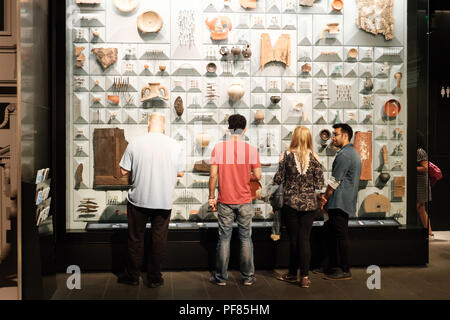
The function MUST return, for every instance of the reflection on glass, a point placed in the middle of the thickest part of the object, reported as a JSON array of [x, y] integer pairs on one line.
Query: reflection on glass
[[2, 15]]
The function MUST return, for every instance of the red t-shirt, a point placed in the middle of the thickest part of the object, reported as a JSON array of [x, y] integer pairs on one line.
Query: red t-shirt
[[235, 161]]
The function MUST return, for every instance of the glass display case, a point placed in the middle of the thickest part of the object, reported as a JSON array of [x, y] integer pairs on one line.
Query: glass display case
[[279, 63]]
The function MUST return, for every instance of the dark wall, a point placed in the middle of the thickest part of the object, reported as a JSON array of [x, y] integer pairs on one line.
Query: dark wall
[[439, 115]]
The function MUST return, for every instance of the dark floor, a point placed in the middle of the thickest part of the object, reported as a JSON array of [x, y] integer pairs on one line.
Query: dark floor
[[412, 282]]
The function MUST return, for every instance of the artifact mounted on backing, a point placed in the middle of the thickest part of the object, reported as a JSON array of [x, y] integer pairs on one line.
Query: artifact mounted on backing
[[88, 2], [363, 145], [219, 27], [307, 3], [248, 4], [376, 203], [376, 16], [281, 53], [80, 57], [106, 56], [109, 146]]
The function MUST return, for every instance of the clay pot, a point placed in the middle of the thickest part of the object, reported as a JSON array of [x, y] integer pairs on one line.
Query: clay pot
[[219, 27], [224, 51], [337, 5], [236, 92], [162, 68], [352, 53], [325, 135], [248, 4], [236, 51], [153, 90], [384, 177], [203, 139], [95, 33], [114, 99], [332, 28], [392, 108], [259, 115], [149, 22], [247, 52], [211, 67], [275, 99]]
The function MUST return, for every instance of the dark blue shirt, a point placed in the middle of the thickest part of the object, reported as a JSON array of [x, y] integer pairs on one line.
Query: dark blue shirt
[[347, 171]]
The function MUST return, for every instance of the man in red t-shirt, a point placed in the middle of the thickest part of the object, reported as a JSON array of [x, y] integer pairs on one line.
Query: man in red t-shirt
[[232, 162]]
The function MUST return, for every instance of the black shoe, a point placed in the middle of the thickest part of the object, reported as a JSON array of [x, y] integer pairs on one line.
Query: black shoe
[[127, 279], [339, 275], [152, 284]]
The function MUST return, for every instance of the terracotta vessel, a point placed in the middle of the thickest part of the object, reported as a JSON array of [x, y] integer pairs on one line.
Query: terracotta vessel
[[95, 33], [275, 99], [398, 77], [306, 68], [149, 22], [236, 92], [211, 67], [247, 52], [125, 5], [162, 68], [392, 108], [332, 28], [325, 135], [178, 105], [235, 51], [153, 90], [259, 116], [363, 145], [219, 27], [114, 99], [203, 139], [248, 4], [384, 177], [337, 5], [353, 53], [224, 51]]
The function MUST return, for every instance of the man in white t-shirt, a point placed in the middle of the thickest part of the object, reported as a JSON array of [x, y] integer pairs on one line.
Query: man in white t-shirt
[[154, 162]]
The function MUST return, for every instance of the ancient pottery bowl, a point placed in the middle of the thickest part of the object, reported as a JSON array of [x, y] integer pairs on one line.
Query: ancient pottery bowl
[[236, 92], [211, 67], [353, 53], [275, 99], [392, 108], [125, 5], [149, 22], [337, 5]]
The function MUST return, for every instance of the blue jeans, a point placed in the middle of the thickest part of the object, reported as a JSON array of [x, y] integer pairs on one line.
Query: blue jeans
[[226, 216]]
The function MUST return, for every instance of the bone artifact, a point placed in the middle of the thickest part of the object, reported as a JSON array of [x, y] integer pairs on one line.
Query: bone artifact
[[281, 53]]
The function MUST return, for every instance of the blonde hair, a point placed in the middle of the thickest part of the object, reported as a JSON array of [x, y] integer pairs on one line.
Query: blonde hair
[[301, 144]]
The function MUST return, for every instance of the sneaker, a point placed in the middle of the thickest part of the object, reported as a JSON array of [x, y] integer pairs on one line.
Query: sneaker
[[214, 280], [339, 275], [287, 277], [127, 279], [152, 284], [305, 282], [250, 281]]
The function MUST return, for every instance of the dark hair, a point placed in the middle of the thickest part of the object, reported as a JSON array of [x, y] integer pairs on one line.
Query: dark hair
[[236, 123], [345, 128], [421, 141]]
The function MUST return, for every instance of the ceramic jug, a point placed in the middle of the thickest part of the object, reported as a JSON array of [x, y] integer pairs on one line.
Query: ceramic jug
[[236, 92], [153, 90], [332, 28]]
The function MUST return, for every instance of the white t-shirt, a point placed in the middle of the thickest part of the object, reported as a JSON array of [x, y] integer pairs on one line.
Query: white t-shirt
[[154, 161]]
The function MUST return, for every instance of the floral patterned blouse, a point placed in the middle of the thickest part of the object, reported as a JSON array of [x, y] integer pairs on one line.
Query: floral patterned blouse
[[299, 186]]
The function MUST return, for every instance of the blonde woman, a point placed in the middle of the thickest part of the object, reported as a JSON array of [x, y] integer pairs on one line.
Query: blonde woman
[[301, 173]]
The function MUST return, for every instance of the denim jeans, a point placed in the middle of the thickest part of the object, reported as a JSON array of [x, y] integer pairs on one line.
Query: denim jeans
[[226, 216]]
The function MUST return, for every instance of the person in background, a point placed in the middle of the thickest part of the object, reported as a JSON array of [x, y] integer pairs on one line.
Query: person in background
[[423, 184], [232, 163], [339, 201], [154, 162], [301, 173]]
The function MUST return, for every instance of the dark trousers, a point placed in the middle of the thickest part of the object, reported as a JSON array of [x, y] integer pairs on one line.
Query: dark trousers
[[137, 220], [338, 240], [299, 225]]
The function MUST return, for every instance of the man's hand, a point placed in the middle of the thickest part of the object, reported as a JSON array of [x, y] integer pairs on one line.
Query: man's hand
[[323, 201], [213, 204]]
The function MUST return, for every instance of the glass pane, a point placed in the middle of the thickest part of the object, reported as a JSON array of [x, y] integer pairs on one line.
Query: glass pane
[[2, 15]]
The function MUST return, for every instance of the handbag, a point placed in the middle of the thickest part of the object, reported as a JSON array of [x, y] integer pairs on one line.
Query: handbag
[[434, 173], [277, 198]]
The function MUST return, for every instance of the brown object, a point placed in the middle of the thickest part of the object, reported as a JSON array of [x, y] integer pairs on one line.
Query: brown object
[[235, 51], [307, 3], [178, 105], [106, 56], [79, 174], [236, 92], [255, 188], [363, 145], [392, 108], [399, 187], [80, 57], [337, 5], [398, 77], [114, 99], [281, 53], [153, 90], [259, 115], [149, 22], [353, 53], [219, 27], [211, 67], [224, 51], [203, 139], [306, 68], [275, 99], [248, 4], [202, 166], [377, 203], [162, 68], [384, 152], [125, 5], [247, 52], [325, 135], [332, 28], [109, 147], [376, 16]]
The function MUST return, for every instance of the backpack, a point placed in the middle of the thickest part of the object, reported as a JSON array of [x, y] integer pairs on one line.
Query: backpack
[[434, 173]]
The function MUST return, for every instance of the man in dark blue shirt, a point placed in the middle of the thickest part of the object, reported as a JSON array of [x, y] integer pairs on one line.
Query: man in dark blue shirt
[[340, 199]]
